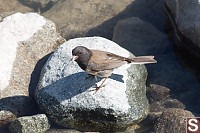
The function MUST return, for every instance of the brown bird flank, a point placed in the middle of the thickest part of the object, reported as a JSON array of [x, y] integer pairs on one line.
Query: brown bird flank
[[102, 63]]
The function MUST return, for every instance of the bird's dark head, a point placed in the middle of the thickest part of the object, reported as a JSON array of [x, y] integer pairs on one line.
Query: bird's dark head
[[82, 56]]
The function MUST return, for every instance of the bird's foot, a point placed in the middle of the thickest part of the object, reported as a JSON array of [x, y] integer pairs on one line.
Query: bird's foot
[[97, 88], [102, 85]]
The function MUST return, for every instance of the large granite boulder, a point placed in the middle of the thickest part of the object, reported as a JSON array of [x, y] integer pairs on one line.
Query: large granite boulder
[[25, 40], [66, 96]]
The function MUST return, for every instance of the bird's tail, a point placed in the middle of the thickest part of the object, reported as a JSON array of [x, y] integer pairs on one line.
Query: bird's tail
[[143, 60]]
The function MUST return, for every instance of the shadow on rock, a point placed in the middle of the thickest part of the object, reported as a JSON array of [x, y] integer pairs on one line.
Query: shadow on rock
[[38, 6], [35, 76], [24, 105], [18, 105], [67, 87]]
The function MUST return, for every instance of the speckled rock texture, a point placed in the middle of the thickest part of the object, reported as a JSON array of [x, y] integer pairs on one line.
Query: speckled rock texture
[[30, 124], [25, 41], [65, 95], [6, 117], [172, 120]]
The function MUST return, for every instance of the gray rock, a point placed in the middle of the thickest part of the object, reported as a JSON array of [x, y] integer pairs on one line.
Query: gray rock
[[65, 95], [140, 37], [30, 124], [185, 15], [74, 21], [172, 120], [25, 40], [6, 117]]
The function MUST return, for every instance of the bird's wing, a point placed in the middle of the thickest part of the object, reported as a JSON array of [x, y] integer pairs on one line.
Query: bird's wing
[[102, 60]]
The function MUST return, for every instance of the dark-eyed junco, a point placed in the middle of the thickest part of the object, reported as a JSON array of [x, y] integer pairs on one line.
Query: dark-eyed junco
[[101, 63]]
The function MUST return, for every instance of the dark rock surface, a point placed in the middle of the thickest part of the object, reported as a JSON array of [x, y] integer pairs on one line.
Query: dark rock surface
[[160, 100], [172, 120], [185, 17], [137, 35], [133, 34]]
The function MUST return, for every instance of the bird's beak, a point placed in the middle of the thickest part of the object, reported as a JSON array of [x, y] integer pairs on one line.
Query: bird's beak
[[74, 58]]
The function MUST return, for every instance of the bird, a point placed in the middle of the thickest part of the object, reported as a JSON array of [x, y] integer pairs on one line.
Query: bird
[[101, 63]]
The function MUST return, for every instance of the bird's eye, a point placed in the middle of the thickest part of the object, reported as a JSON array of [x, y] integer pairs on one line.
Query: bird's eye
[[80, 52]]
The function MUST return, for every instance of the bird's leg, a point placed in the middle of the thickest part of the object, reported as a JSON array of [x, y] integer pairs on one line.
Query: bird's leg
[[98, 87]]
